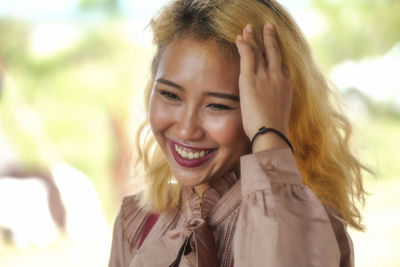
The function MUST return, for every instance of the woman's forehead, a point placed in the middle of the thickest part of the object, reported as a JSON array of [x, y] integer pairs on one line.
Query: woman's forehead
[[188, 49], [198, 62], [227, 52]]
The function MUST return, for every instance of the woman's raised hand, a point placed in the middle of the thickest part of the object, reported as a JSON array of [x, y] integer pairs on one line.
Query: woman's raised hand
[[265, 88]]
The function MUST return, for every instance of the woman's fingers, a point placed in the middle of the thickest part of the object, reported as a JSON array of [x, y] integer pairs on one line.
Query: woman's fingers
[[247, 59], [248, 36], [255, 60], [273, 53]]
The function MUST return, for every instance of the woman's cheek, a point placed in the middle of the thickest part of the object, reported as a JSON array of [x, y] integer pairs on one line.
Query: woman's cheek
[[226, 129], [159, 114]]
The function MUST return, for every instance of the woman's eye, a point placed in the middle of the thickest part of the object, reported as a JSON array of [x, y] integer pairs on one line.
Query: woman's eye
[[169, 95], [219, 107]]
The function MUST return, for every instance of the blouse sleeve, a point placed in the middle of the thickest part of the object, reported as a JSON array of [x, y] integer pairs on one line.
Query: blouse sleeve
[[281, 222]]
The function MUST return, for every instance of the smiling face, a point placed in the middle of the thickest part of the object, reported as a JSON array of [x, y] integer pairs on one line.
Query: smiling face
[[195, 111]]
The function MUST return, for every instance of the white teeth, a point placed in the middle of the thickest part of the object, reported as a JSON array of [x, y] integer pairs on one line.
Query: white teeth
[[190, 154]]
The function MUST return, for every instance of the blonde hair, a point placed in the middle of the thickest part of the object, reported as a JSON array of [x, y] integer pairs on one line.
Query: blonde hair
[[318, 130]]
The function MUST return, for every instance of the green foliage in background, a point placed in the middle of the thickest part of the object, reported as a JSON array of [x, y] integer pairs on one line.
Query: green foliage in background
[[107, 7], [356, 28], [14, 37], [75, 94]]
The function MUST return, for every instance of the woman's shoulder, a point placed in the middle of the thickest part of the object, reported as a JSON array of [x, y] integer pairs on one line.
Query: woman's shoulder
[[131, 204], [133, 216]]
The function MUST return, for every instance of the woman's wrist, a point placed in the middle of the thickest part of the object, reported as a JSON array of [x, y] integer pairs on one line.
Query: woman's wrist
[[268, 141]]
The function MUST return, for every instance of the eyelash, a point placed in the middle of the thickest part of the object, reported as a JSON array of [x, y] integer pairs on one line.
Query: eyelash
[[219, 107], [173, 97], [170, 96]]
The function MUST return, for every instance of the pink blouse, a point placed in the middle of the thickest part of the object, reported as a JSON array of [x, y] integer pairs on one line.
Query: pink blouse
[[262, 215]]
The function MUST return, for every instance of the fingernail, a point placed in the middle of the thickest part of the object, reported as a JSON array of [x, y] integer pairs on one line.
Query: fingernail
[[249, 28], [239, 38], [270, 26]]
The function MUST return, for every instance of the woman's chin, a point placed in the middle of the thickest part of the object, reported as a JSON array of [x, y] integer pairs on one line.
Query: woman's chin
[[190, 181]]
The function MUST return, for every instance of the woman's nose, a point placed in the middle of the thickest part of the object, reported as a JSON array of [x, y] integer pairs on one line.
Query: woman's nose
[[189, 126]]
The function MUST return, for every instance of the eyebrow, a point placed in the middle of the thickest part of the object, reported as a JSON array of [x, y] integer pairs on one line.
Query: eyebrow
[[214, 94], [169, 83], [223, 95]]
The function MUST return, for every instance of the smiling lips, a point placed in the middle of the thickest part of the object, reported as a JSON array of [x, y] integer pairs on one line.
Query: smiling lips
[[189, 156]]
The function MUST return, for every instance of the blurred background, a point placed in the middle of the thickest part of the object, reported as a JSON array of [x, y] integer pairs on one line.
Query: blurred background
[[71, 77]]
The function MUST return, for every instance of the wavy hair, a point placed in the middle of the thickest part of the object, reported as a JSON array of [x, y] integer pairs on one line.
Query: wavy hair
[[318, 129]]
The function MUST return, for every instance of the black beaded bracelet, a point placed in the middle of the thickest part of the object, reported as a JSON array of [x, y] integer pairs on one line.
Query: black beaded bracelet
[[264, 130]]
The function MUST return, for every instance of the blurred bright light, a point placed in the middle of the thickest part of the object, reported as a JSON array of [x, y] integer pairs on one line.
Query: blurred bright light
[[25, 211], [375, 77], [48, 39], [38, 10], [85, 218]]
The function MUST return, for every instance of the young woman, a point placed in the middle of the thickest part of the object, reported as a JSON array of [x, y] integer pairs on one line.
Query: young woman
[[248, 162]]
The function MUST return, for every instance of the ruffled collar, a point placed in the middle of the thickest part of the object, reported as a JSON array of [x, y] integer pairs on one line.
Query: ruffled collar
[[184, 237], [195, 207]]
